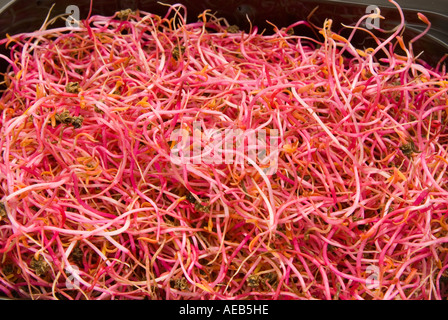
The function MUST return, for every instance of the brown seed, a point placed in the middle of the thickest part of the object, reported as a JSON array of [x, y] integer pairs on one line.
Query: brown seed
[[253, 281], [409, 148], [181, 284], [269, 279], [199, 207], [3, 213], [64, 117], [98, 110], [190, 198], [177, 53], [124, 14], [77, 122], [233, 29], [40, 266], [72, 87]]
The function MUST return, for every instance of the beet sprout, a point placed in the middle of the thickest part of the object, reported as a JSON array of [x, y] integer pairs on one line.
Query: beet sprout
[[92, 205]]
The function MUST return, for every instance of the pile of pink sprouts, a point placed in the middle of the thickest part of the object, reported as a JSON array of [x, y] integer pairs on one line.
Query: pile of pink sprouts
[[92, 206]]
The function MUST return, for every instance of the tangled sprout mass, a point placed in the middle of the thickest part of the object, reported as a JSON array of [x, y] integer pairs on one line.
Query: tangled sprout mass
[[92, 205]]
